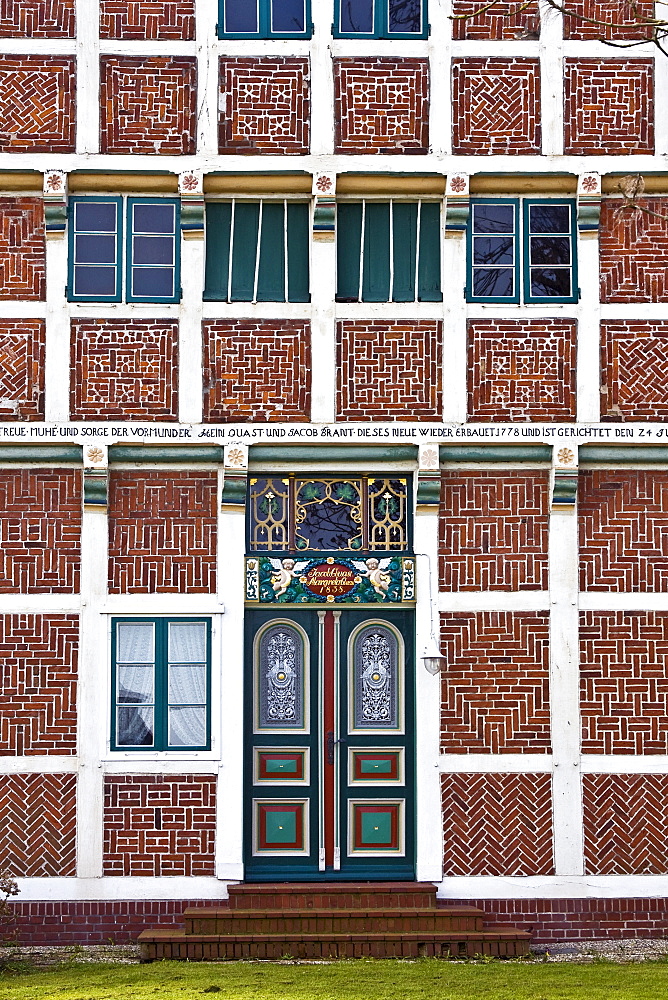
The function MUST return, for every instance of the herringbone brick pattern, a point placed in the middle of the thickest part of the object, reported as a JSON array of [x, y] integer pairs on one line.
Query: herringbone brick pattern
[[497, 824], [493, 530], [147, 19], [22, 369], [521, 369], [496, 106], [257, 370], [40, 531], [38, 829], [381, 105], [624, 682], [265, 106], [22, 249], [608, 106], [162, 533], [495, 693], [622, 24], [633, 252], [389, 369], [37, 104], [159, 825], [625, 824], [623, 530], [37, 18], [124, 369], [502, 21], [633, 367], [148, 104], [38, 684]]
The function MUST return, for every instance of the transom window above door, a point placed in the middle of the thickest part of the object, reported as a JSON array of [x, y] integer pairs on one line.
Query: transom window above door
[[380, 19], [265, 19]]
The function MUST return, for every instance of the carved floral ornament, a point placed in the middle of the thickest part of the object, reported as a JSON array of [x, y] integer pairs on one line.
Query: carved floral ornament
[[565, 456]]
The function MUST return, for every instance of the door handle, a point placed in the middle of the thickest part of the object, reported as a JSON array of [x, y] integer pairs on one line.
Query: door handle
[[330, 743]]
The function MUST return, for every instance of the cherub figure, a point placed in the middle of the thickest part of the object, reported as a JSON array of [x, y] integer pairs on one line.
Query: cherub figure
[[379, 580], [282, 578]]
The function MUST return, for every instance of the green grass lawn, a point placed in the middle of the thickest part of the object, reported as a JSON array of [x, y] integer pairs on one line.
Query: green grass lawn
[[353, 980]]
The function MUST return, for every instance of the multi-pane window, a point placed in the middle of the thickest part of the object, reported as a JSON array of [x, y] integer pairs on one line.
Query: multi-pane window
[[380, 19], [522, 250], [388, 251], [264, 19], [161, 678], [257, 251], [123, 250]]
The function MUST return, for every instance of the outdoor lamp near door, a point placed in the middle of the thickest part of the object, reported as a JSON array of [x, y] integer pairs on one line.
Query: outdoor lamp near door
[[433, 658]]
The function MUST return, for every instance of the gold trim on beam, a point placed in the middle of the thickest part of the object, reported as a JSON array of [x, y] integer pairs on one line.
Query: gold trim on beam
[[524, 184], [258, 183], [20, 181], [397, 184], [112, 183], [654, 183]]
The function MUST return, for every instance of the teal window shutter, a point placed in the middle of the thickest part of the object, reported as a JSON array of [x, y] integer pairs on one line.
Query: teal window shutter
[[429, 253], [95, 249], [217, 268], [298, 251], [376, 271], [246, 221], [404, 250], [348, 247], [271, 270]]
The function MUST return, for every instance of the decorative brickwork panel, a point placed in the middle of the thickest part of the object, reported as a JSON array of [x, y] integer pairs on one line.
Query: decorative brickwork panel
[[493, 530], [40, 531], [608, 106], [521, 370], [624, 682], [148, 104], [633, 252], [625, 824], [22, 249], [633, 370], [495, 691], [497, 824], [389, 369], [124, 369], [38, 684], [502, 21], [381, 105], [37, 109], [168, 19], [22, 369], [616, 21], [496, 106], [37, 18], [257, 370], [623, 516], [265, 106], [162, 533], [38, 829], [159, 825]]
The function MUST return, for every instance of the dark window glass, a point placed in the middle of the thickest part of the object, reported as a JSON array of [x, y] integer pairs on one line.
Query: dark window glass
[[547, 281], [550, 250], [95, 216], [95, 249], [94, 280], [241, 16], [357, 16], [153, 250], [287, 15], [493, 218], [550, 218], [493, 250], [152, 282], [404, 16], [494, 282], [153, 218]]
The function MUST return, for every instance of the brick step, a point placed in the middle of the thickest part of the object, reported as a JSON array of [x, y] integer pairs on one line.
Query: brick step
[[329, 895], [436, 920]]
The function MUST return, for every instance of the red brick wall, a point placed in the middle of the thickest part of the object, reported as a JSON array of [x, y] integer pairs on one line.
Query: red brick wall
[[493, 530], [381, 105], [265, 106], [40, 531], [497, 824], [623, 516], [124, 368], [168, 19], [625, 824], [37, 18], [521, 369], [22, 369], [257, 370], [389, 369], [22, 248], [496, 106], [616, 20], [148, 104], [624, 682], [633, 359], [38, 829], [162, 532], [495, 693], [37, 104], [608, 106], [38, 684], [502, 21], [159, 825], [634, 250]]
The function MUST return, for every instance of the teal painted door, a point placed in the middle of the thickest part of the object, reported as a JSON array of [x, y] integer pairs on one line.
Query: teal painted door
[[329, 761]]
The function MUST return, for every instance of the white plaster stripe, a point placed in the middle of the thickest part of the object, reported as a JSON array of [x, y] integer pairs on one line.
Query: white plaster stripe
[[57, 357], [190, 332], [595, 601], [88, 79], [440, 78], [207, 76], [494, 600], [589, 320], [322, 83], [454, 328], [551, 887], [551, 50], [507, 763], [127, 887], [624, 764]]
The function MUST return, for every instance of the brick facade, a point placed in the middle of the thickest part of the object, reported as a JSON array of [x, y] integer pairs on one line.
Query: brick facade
[[257, 370], [37, 104], [495, 106], [124, 369], [159, 19], [493, 530], [22, 249], [502, 21], [623, 530], [633, 251], [522, 369], [162, 532], [624, 24], [40, 531], [633, 362], [37, 18], [22, 369], [265, 106], [159, 825], [381, 105], [497, 824], [625, 824], [38, 832], [148, 104], [389, 369], [608, 106]]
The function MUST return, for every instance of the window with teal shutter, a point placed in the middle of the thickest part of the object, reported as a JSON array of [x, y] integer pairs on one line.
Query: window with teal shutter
[[380, 19], [264, 18]]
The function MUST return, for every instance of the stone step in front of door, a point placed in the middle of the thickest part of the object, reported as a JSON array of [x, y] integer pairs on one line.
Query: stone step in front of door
[[222, 920], [330, 895]]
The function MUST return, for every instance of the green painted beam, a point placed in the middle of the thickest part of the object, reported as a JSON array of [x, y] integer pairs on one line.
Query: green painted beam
[[48, 453], [149, 453], [234, 490], [429, 491], [636, 454], [495, 453], [306, 453]]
